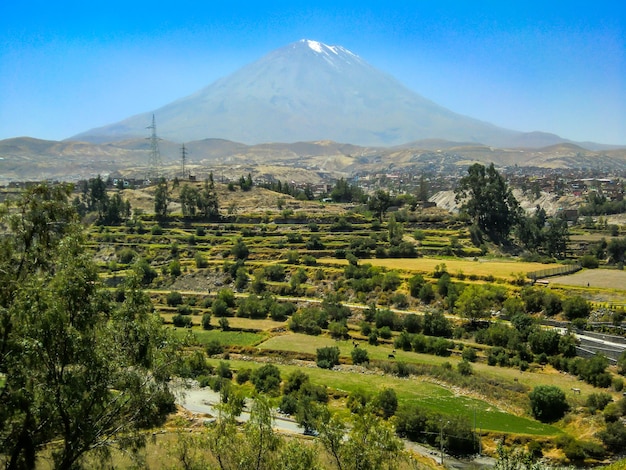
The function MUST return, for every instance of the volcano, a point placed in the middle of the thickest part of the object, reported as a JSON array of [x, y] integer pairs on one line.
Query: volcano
[[309, 91]]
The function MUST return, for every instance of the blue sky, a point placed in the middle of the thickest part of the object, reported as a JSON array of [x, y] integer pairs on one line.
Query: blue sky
[[554, 66]]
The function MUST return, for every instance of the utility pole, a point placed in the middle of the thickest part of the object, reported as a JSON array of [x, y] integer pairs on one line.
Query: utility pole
[[441, 440]]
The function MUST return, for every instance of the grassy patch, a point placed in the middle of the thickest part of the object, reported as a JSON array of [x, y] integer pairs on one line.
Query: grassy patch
[[227, 338], [414, 390]]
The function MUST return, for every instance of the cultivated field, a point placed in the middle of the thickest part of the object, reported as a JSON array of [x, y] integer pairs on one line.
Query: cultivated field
[[604, 278], [481, 267]]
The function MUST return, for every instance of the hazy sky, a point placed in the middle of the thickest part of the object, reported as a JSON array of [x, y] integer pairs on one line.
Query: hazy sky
[[554, 66]]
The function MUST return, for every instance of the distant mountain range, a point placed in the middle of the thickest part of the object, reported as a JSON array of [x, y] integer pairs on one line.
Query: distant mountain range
[[308, 91], [26, 158]]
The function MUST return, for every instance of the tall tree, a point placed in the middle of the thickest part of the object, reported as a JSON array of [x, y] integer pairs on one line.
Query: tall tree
[[79, 370], [161, 196], [488, 200]]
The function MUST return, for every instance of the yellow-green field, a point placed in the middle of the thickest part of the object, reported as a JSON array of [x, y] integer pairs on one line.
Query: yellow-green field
[[495, 268]]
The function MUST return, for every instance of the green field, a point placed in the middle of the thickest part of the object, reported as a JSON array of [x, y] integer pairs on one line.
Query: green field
[[231, 338], [415, 390]]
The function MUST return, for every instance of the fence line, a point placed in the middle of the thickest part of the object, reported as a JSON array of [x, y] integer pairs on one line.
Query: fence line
[[560, 271]]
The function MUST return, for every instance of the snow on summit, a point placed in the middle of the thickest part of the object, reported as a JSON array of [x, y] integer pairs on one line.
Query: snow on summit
[[316, 46]]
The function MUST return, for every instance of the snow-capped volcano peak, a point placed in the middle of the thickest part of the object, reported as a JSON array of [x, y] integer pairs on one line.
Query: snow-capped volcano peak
[[333, 55], [316, 46]]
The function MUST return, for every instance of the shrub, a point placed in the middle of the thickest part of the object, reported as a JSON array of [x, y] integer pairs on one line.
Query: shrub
[[385, 332], [266, 379], [174, 268], [327, 357], [589, 262], [173, 299], [338, 329], [214, 347], [224, 324], [220, 308], [206, 321], [548, 403], [386, 403], [184, 309], [469, 354], [614, 436], [243, 375], [200, 260], [576, 307], [359, 356], [126, 255], [182, 321], [464, 368], [223, 370], [598, 401]]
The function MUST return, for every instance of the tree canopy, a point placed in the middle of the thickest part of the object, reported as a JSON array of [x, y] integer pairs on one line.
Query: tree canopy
[[488, 201], [78, 368]]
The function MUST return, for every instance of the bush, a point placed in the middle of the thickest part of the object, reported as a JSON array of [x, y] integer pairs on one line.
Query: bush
[[548, 403], [576, 307], [359, 356], [173, 299], [214, 347], [184, 309], [126, 255], [589, 262], [206, 321], [243, 375], [386, 403], [469, 354], [327, 357], [223, 370], [614, 436], [598, 401], [464, 368], [182, 321], [174, 268], [224, 324], [385, 332], [200, 260], [338, 330], [266, 379]]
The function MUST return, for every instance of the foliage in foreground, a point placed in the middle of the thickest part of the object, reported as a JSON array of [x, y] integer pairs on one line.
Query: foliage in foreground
[[79, 369], [367, 442]]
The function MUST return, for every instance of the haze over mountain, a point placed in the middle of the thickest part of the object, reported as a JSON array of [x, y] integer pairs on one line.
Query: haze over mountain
[[308, 91]]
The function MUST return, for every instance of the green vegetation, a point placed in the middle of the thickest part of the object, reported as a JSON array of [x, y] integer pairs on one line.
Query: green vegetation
[[407, 337]]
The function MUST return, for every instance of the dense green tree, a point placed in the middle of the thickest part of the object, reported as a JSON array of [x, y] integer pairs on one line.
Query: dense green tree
[[556, 236], [189, 200], [616, 250], [327, 357], [359, 356], [474, 302], [488, 201], [379, 203], [266, 379], [576, 307], [161, 199], [368, 443], [548, 403], [78, 369], [207, 200]]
